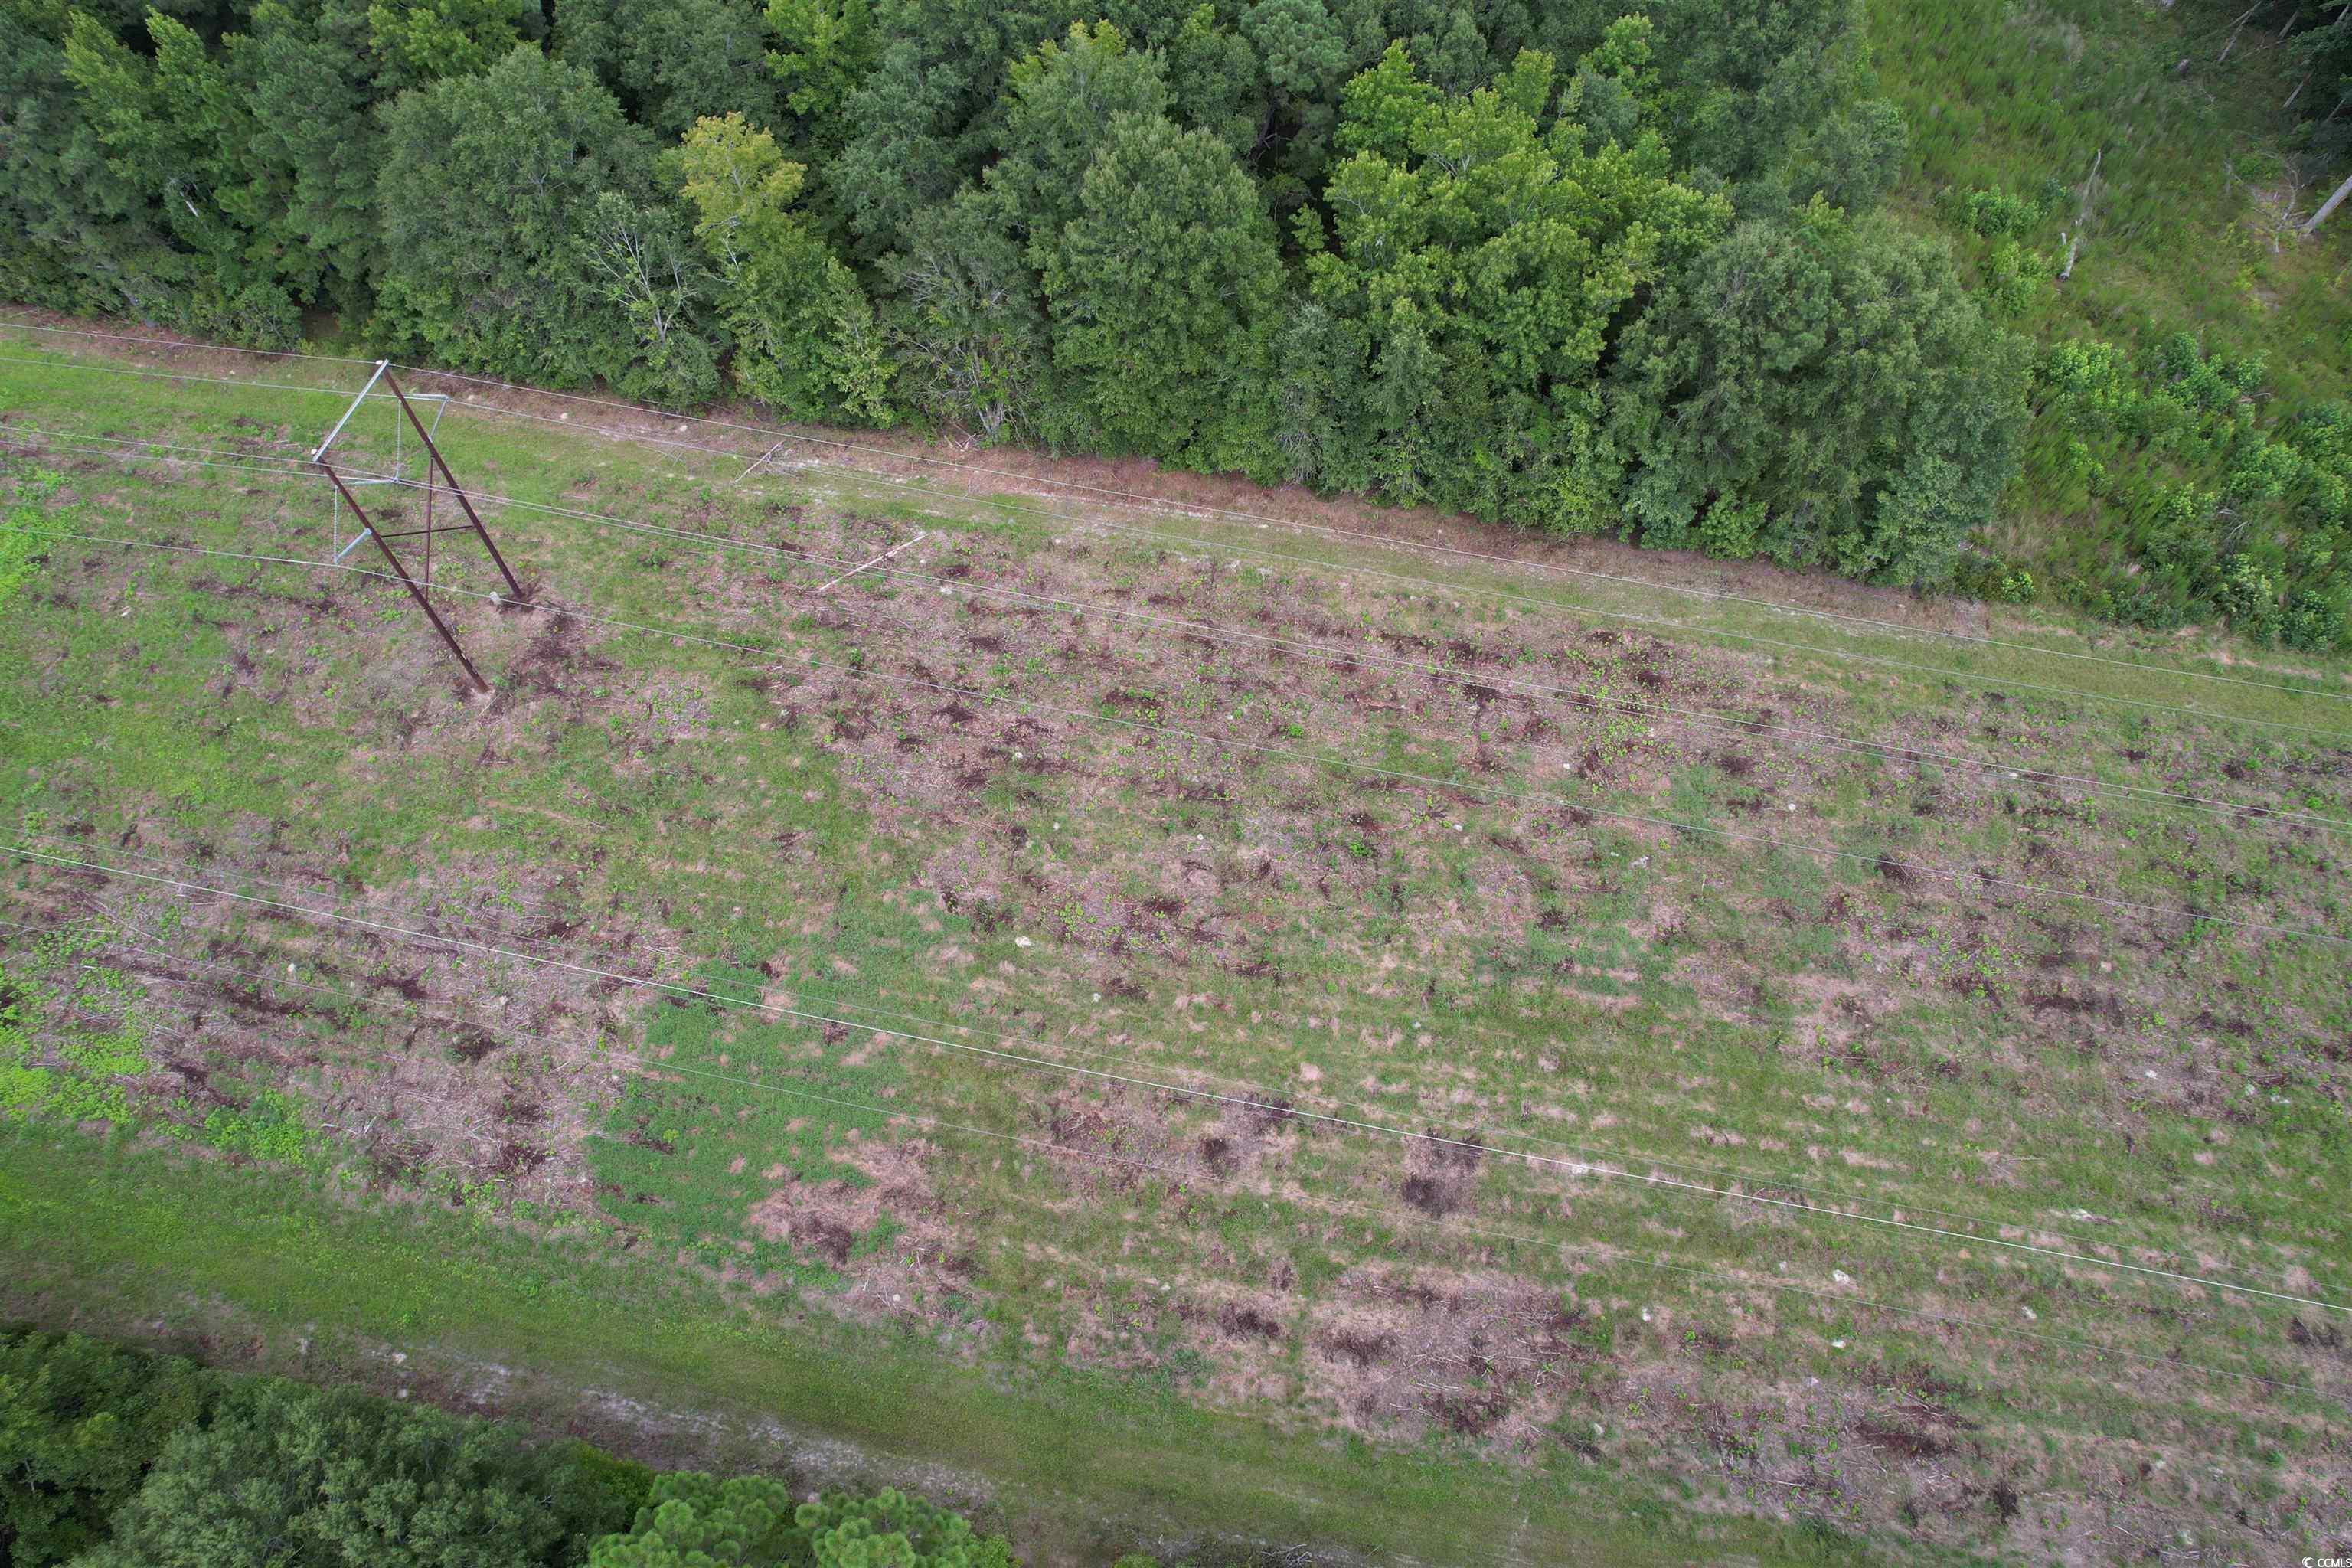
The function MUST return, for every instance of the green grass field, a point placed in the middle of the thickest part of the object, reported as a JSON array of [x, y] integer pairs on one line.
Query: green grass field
[[2117, 129], [1213, 1033]]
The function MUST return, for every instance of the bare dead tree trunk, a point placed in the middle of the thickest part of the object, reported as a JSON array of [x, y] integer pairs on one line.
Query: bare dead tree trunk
[[2086, 193], [2240, 27], [2329, 206]]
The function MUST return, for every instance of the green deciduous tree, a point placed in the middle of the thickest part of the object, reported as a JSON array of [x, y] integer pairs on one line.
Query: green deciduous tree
[[640, 260], [75, 232], [1060, 101], [284, 1475], [1482, 257], [693, 1520], [1741, 84], [1851, 159], [1214, 80], [1820, 391], [671, 62], [426, 40], [1160, 290], [805, 337], [910, 149], [824, 48], [490, 196], [891, 1530], [1299, 47], [925, 121], [80, 1424], [304, 67], [177, 130], [968, 326]]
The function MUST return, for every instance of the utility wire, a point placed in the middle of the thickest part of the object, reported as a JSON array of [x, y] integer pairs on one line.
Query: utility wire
[[1554, 608], [1360, 535], [142, 341], [1551, 607], [1767, 1179], [1021, 1058], [1876, 862], [1378, 1213], [1338, 655], [656, 631], [1330, 655]]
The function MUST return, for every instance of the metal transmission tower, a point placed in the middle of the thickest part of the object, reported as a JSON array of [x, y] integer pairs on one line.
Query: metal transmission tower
[[346, 484]]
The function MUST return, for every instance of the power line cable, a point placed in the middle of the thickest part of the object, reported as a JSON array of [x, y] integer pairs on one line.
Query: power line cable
[[1360, 535], [1879, 863], [142, 341], [1547, 606], [1378, 1213], [833, 999], [1457, 590], [1575, 1168], [1341, 657]]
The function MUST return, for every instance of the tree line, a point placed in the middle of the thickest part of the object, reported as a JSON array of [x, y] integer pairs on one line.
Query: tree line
[[1587, 266], [114, 1457]]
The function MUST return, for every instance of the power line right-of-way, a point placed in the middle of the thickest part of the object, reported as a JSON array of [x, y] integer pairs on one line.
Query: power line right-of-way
[[1028, 1059], [1879, 863], [1452, 589], [1725, 721], [1380, 1214], [1769, 1182]]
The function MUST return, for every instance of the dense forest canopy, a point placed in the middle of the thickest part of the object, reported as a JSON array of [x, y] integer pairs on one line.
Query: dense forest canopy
[[115, 1458], [1580, 265]]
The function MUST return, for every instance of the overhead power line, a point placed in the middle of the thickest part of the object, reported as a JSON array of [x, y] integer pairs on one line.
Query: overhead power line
[[1878, 863], [1553, 607], [1336, 1206], [1360, 536], [1775, 1180], [1023, 1059], [1725, 721]]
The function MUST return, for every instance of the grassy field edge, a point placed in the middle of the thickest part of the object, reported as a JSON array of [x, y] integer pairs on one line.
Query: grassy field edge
[[243, 1266]]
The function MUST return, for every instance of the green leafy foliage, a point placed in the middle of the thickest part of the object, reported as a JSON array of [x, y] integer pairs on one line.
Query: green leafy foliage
[[1406, 249], [696, 1520], [1478, 257], [282, 1476], [1157, 290], [498, 238], [1818, 391], [891, 1530], [112, 1458], [693, 1520], [80, 1424], [54, 1063], [805, 337], [823, 49], [427, 40], [23, 548], [672, 63], [270, 1126], [2236, 510]]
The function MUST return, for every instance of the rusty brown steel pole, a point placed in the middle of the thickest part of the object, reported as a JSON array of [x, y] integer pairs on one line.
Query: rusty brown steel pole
[[454, 488], [407, 582]]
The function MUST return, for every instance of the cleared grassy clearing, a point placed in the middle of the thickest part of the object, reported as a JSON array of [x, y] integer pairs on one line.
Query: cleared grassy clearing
[[1029, 815]]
